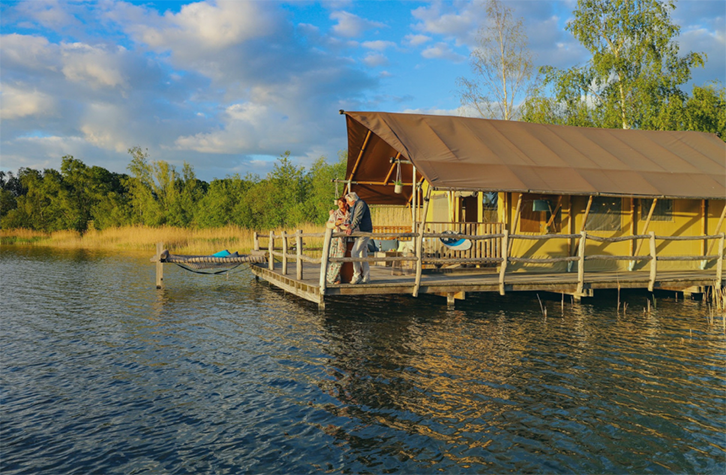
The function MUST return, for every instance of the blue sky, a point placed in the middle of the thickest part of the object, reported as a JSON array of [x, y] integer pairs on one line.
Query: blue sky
[[229, 85]]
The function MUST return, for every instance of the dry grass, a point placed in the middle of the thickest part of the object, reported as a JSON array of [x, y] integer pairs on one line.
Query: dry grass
[[142, 238], [181, 240]]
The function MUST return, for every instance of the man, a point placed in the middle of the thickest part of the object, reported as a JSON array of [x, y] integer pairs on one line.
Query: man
[[360, 221]]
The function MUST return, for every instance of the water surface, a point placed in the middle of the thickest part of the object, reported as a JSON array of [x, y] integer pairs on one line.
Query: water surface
[[102, 373]]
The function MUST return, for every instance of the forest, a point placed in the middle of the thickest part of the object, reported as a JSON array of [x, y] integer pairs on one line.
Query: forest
[[154, 193]]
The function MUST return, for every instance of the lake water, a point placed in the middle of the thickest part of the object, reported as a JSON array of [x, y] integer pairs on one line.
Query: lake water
[[102, 373]]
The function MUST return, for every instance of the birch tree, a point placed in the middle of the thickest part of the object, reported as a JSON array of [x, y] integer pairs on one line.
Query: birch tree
[[501, 64], [635, 73]]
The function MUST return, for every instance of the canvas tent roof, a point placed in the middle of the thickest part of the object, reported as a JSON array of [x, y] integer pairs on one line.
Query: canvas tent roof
[[461, 153]]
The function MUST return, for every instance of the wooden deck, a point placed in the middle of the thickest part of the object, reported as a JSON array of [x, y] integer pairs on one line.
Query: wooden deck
[[455, 285]]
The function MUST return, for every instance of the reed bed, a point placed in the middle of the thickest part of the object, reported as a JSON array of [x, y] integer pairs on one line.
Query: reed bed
[[142, 238]]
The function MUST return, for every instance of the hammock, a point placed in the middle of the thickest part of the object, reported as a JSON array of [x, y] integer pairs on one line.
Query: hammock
[[217, 263]]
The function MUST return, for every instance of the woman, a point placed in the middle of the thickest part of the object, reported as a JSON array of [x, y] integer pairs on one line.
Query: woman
[[339, 220]]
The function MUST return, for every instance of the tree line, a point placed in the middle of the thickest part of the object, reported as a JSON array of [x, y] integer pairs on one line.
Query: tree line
[[155, 193]]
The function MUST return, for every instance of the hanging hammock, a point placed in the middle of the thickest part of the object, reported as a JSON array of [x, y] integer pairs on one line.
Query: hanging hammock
[[218, 263]]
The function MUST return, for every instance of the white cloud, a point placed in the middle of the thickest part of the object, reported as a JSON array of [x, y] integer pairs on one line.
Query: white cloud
[[350, 25], [52, 14], [17, 103], [374, 60], [417, 40], [27, 52], [207, 26], [442, 51], [378, 45], [92, 65]]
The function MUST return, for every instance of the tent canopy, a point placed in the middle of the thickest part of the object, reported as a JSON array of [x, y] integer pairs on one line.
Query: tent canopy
[[467, 154]]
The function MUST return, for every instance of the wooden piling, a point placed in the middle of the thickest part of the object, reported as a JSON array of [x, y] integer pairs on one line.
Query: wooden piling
[[581, 264], [505, 257], [653, 261], [159, 266]]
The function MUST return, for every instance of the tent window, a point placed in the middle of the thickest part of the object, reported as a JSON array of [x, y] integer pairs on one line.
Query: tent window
[[663, 210], [440, 205], [605, 214], [531, 221]]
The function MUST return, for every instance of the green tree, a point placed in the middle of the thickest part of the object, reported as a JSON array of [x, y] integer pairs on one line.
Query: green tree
[[39, 208], [158, 194], [218, 205], [321, 196], [10, 189], [634, 75], [501, 64]]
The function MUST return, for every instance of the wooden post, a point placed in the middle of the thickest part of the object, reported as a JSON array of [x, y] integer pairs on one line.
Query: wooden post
[[324, 260], [719, 263], [704, 226], [159, 266], [284, 253], [516, 215], [257, 241], [633, 224], [270, 248], [653, 261], [299, 245], [645, 229], [581, 264], [419, 244], [505, 257], [587, 215], [718, 226]]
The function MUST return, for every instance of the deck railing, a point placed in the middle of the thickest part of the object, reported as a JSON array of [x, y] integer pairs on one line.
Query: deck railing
[[500, 242]]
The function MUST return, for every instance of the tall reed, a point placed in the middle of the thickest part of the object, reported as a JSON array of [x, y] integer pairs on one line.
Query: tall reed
[[144, 238]]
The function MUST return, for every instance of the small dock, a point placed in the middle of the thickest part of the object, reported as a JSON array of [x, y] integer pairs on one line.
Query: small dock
[[453, 278], [456, 286]]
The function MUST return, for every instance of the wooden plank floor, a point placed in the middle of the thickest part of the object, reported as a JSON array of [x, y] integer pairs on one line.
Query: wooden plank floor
[[384, 280]]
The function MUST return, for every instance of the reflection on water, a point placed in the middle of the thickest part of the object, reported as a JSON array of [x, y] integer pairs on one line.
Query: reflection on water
[[103, 373]]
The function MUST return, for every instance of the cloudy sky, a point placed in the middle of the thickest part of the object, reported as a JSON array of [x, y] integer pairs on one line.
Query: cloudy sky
[[228, 85]]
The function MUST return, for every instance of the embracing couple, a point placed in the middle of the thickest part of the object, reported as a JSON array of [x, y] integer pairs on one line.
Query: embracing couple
[[352, 215]]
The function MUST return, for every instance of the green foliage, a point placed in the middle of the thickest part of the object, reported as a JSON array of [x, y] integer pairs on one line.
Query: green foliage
[[635, 75], [80, 197]]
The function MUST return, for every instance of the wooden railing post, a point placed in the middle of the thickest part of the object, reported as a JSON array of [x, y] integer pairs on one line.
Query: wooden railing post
[[284, 253], [299, 245], [418, 252], [719, 262], [257, 241], [324, 260], [160, 265], [581, 264], [505, 257], [419, 244], [271, 248], [653, 261]]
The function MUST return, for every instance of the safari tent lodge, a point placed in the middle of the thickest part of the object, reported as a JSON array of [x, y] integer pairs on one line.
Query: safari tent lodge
[[531, 207]]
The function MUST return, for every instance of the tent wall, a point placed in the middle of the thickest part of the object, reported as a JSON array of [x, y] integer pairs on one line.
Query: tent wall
[[687, 220]]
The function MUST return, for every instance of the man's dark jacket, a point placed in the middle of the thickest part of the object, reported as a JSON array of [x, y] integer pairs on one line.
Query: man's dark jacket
[[361, 220]]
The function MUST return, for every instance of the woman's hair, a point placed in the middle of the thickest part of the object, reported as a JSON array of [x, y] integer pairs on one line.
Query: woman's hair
[[342, 198]]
